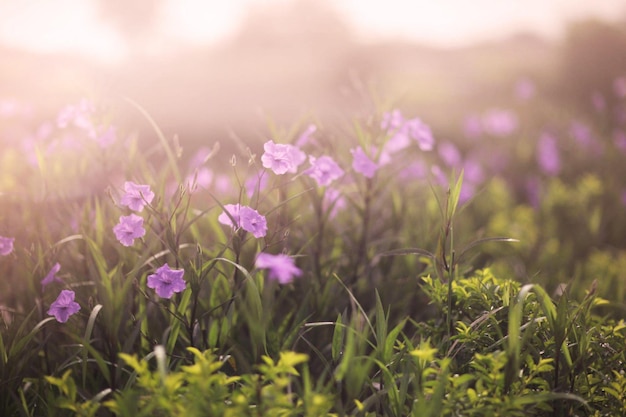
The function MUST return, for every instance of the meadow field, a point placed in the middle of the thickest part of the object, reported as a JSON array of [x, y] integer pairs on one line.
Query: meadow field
[[385, 265]]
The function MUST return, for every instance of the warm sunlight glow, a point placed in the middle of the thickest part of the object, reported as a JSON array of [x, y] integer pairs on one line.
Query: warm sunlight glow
[[59, 26], [74, 25]]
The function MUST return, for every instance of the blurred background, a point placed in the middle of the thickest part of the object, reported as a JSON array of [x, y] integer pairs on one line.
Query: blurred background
[[203, 69]]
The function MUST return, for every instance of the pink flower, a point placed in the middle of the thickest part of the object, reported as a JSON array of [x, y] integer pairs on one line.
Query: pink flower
[[6, 245], [166, 281], [281, 267], [64, 306], [136, 196], [362, 164], [128, 229], [324, 170], [282, 158], [51, 277]]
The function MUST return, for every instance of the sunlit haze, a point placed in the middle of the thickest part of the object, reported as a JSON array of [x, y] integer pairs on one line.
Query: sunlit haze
[[75, 25]]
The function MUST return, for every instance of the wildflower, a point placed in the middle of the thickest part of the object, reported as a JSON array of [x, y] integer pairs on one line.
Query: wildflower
[[333, 202], [421, 133], [256, 183], [415, 170], [392, 120], [252, 221], [201, 178], [404, 130], [51, 277], [64, 306], [137, 196], [361, 163], [128, 229], [472, 126], [548, 155], [104, 137], [581, 133], [449, 154], [282, 158], [225, 219], [245, 217], [281, 267], [6, 245], [77, 114], [305, 137], [167, 281], [473, 170], [324, 170], [500, 122]]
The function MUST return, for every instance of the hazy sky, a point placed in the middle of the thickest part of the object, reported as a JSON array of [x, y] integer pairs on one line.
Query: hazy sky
[[73, 25]]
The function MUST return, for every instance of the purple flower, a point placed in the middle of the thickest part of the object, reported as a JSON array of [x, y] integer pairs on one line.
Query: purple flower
[[128, 229], [282, 158], [473, 170], [416, 170], [64, 306], [500, 122], [449, 154], [256, 183], [252, 221], [78, 115], [225, 219], [137, 196], [361, 163], [472, 126], [548, 155], [201, 178], [167, 281], [6, 245], [324, 170], [403, 130], [392, 120], [468, 190], [104, 137], [305, 137], [51, 277], [245, 217], [333, 201], [421, 133], [281, 267], [581, 133]]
